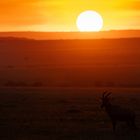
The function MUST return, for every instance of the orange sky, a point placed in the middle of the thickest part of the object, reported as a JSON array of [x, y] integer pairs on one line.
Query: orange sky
[[60, 15]]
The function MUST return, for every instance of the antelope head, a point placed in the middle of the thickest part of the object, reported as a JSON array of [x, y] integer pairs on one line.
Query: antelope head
[[105, 99]]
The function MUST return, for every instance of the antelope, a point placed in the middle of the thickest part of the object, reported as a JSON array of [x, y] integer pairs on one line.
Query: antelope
[[117, 113]]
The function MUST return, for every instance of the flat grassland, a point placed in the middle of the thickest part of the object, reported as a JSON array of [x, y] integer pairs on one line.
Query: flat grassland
[[64, 114]]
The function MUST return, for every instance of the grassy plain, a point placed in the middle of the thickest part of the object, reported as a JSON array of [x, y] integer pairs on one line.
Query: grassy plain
[[63, 114]]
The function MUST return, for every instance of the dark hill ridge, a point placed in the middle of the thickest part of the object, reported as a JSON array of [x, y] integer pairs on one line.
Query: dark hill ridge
[[10, 38], [73, 35], [55, 41]]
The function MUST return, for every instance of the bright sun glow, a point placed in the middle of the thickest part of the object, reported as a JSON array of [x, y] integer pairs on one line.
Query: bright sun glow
[[89, 21]]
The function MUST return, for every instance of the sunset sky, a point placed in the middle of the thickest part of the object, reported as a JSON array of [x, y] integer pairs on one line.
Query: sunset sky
[[61, 15]]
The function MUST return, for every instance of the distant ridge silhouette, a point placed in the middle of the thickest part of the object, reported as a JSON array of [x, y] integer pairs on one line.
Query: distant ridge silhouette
[[10, 38], [73, 35], [24, 39]]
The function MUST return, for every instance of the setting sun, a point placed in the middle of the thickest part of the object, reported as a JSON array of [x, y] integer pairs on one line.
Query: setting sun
[[89, 21]]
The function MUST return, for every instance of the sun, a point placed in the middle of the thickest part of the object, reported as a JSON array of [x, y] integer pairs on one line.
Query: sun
[[89, 21]]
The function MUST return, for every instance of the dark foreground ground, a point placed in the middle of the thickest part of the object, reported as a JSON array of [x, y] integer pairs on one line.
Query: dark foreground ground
[[63, 114]]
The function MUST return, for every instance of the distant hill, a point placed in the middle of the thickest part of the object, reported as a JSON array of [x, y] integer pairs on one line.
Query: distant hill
[[14, 38], [73, 35]]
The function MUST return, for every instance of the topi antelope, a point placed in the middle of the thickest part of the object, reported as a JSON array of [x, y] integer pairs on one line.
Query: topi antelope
[[117, 113]]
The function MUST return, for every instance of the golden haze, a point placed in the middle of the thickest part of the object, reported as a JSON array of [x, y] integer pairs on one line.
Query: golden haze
[[60, 15]]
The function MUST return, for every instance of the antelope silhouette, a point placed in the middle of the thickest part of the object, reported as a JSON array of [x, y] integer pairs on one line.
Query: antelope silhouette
[[117, 113]]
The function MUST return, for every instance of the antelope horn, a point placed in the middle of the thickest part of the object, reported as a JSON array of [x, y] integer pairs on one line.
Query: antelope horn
[[104, 94], [107, 94]]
